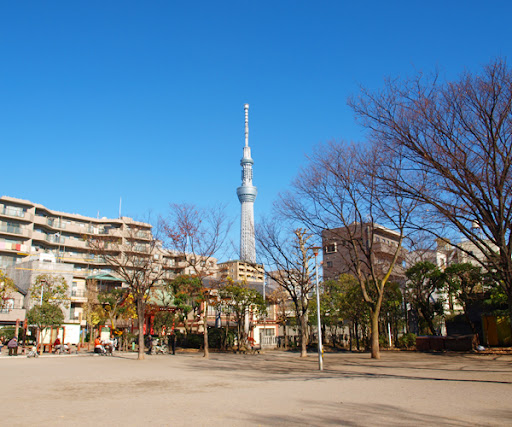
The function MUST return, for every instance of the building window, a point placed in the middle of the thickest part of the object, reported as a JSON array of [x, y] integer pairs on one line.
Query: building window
[[329, 264], [330, 249]]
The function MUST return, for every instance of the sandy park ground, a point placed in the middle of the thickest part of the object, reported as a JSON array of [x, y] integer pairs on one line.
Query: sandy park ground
[[275, 388]]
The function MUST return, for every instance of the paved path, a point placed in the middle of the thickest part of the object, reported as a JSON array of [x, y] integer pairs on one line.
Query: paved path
[[268, 389]]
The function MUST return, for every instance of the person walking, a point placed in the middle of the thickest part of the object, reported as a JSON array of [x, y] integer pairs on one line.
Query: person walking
[[12, 345]]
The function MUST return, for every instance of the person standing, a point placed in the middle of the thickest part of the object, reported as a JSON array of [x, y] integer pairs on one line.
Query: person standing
[[13, 347]]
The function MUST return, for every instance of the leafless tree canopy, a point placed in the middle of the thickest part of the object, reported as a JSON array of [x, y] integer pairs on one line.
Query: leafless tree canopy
[[340, 192], [455, 142], [340, 188], [198, 234], [288, 258], [134, 254]]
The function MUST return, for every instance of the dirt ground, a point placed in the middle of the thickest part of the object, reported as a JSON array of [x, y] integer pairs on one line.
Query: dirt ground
[[275, 388]]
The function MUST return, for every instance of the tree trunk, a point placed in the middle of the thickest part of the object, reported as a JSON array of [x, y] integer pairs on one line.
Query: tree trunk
[[375, 334], [205, 331], [428, 318], [140, 314], [509, 297], [304, 335], [356, 333], [350, 336], [40, 339]]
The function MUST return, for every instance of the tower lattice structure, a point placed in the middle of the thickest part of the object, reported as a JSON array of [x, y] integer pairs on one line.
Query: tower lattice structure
[[247, 195]]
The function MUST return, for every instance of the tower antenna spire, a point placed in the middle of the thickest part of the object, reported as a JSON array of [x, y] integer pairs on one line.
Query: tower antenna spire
[[246, 108]]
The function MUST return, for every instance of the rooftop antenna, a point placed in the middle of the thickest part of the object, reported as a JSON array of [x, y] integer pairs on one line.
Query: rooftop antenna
[[120, 200]]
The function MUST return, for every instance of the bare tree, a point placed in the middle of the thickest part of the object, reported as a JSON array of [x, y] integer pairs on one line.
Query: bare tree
[[279, 298], [197, 235], [135, 255], [289, 256], [339, 194], [456, 142]]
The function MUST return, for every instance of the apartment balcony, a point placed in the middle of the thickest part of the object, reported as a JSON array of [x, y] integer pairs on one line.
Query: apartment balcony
[[10, 212], [48, 222], [99, 230], [10, 315], [78, 295], [82, 259], [15, 231], [56, 223], [389, 249], [146, 235], [76, 243], [15, 247], [53, 238]]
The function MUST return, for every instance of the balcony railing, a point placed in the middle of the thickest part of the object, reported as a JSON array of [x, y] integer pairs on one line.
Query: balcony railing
[[55, 239], [143, 234], [80, 293], [268, 341], [15, 212], [13, 229], [56, 223], [9, 308]]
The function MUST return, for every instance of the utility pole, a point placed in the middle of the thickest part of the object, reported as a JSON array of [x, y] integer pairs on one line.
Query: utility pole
[[320, 346]]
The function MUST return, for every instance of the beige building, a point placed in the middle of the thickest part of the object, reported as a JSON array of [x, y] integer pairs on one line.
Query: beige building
[[241, 270], [337, 252], [36, 240]]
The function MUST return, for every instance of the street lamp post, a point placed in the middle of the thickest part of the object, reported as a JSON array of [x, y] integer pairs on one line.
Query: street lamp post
[[320, 346], [42, 283]]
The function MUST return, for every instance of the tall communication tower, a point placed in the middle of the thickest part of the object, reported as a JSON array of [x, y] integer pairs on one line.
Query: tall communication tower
[[247, 195]]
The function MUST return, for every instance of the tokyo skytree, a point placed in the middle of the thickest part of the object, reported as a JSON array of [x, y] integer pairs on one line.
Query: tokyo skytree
[[247, 194]]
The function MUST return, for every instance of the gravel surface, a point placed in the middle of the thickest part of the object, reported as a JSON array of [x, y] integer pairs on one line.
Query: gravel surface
[[275, 388]]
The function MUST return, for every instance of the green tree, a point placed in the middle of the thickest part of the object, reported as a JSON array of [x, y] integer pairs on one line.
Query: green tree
[[242, 301], [134, 253], [353, 308], [51, 289], [465, 282], [7, 288], [46, 315], [392, 312], [116, 304], [187, 296], [197, 235], [50, 293], [330, 310], [424, 284]]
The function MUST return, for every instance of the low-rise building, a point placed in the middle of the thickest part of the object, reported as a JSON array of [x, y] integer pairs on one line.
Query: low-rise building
[[239, 270], [339, 255]]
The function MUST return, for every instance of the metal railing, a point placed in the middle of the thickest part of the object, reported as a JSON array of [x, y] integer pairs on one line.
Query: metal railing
[[9, 308], [55, 239], [269, 341], [13, 229], [9, 211], [57, 223], [78, 293]]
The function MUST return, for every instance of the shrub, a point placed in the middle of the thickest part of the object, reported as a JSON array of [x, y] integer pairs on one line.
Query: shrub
[[7, 332], [407, 340]]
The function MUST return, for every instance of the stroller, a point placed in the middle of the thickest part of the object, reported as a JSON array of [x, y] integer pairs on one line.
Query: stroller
[[33, 352]]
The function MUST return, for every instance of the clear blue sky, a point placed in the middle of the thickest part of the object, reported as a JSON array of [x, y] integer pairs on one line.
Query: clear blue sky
[[144, 99]]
